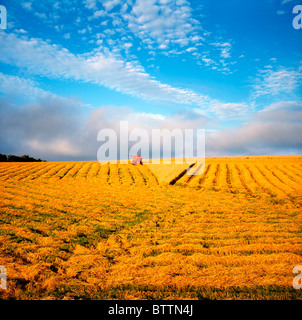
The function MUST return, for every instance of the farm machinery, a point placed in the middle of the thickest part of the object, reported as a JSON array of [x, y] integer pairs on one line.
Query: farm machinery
[[136, 159]]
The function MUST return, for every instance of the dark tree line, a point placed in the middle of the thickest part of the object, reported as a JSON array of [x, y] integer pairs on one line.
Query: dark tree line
[[13, 158]]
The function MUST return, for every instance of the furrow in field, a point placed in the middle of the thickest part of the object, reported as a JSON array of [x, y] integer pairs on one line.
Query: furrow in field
[[130, 173], [285, 171], [182, 177], [120, 173], [153, 175], [53, 171], [93, 171], [272, 172], [269, 181], [139, 177], [103, 174], [281, 172], [223, 177], [7, 166], [256, 177], [229, 176], [204, 175], [245, 180], [296, 171], [41, 172], [82, 173], [48, 195], [185, 176], [194, 175], [114, 178], [150, 178], [278, 180], [25, 175], [72, 172], [46, 198], [19, 170], [64, 171], [217, 174], [207, 181], [126, 177], [38, 206]]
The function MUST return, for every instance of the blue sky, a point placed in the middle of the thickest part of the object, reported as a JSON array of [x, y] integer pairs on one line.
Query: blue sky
[[70, 68]]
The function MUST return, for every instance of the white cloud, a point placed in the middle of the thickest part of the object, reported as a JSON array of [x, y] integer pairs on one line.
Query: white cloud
[[208, 61], [27, 5], [275, 130], [145, 117], [226, 111], [275, 82], [191, 49], [59, 147], [225, 48], [286, 1], [166, 26], [99, 13], [21, 31], [13, 86], [164, 22], [110, 4], [41, 58], [41, 16], [66, 36], [55, 128], [46, 125], [91, 4], [230, 110]]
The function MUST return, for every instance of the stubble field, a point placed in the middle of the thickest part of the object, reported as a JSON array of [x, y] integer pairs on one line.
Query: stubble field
[[81, 230]]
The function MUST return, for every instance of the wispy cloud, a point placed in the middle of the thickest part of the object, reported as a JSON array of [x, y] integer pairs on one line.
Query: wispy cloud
[[13, 85], [44, 59], [281, 12], [286, 1], [105, 69], [275, 82]]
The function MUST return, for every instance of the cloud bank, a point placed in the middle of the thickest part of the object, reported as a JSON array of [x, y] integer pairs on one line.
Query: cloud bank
[[58, 128], [277, 129]]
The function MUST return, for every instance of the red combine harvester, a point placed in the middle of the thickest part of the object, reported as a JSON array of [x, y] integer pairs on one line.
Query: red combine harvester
[[136, 159]]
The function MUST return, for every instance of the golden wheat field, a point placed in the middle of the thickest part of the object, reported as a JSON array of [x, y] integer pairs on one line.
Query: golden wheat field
[[81, 230]]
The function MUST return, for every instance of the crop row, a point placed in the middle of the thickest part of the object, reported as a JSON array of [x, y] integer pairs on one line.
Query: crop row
[[276, 178]]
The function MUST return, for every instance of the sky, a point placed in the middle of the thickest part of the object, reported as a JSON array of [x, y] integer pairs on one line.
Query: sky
[[71, 68]]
